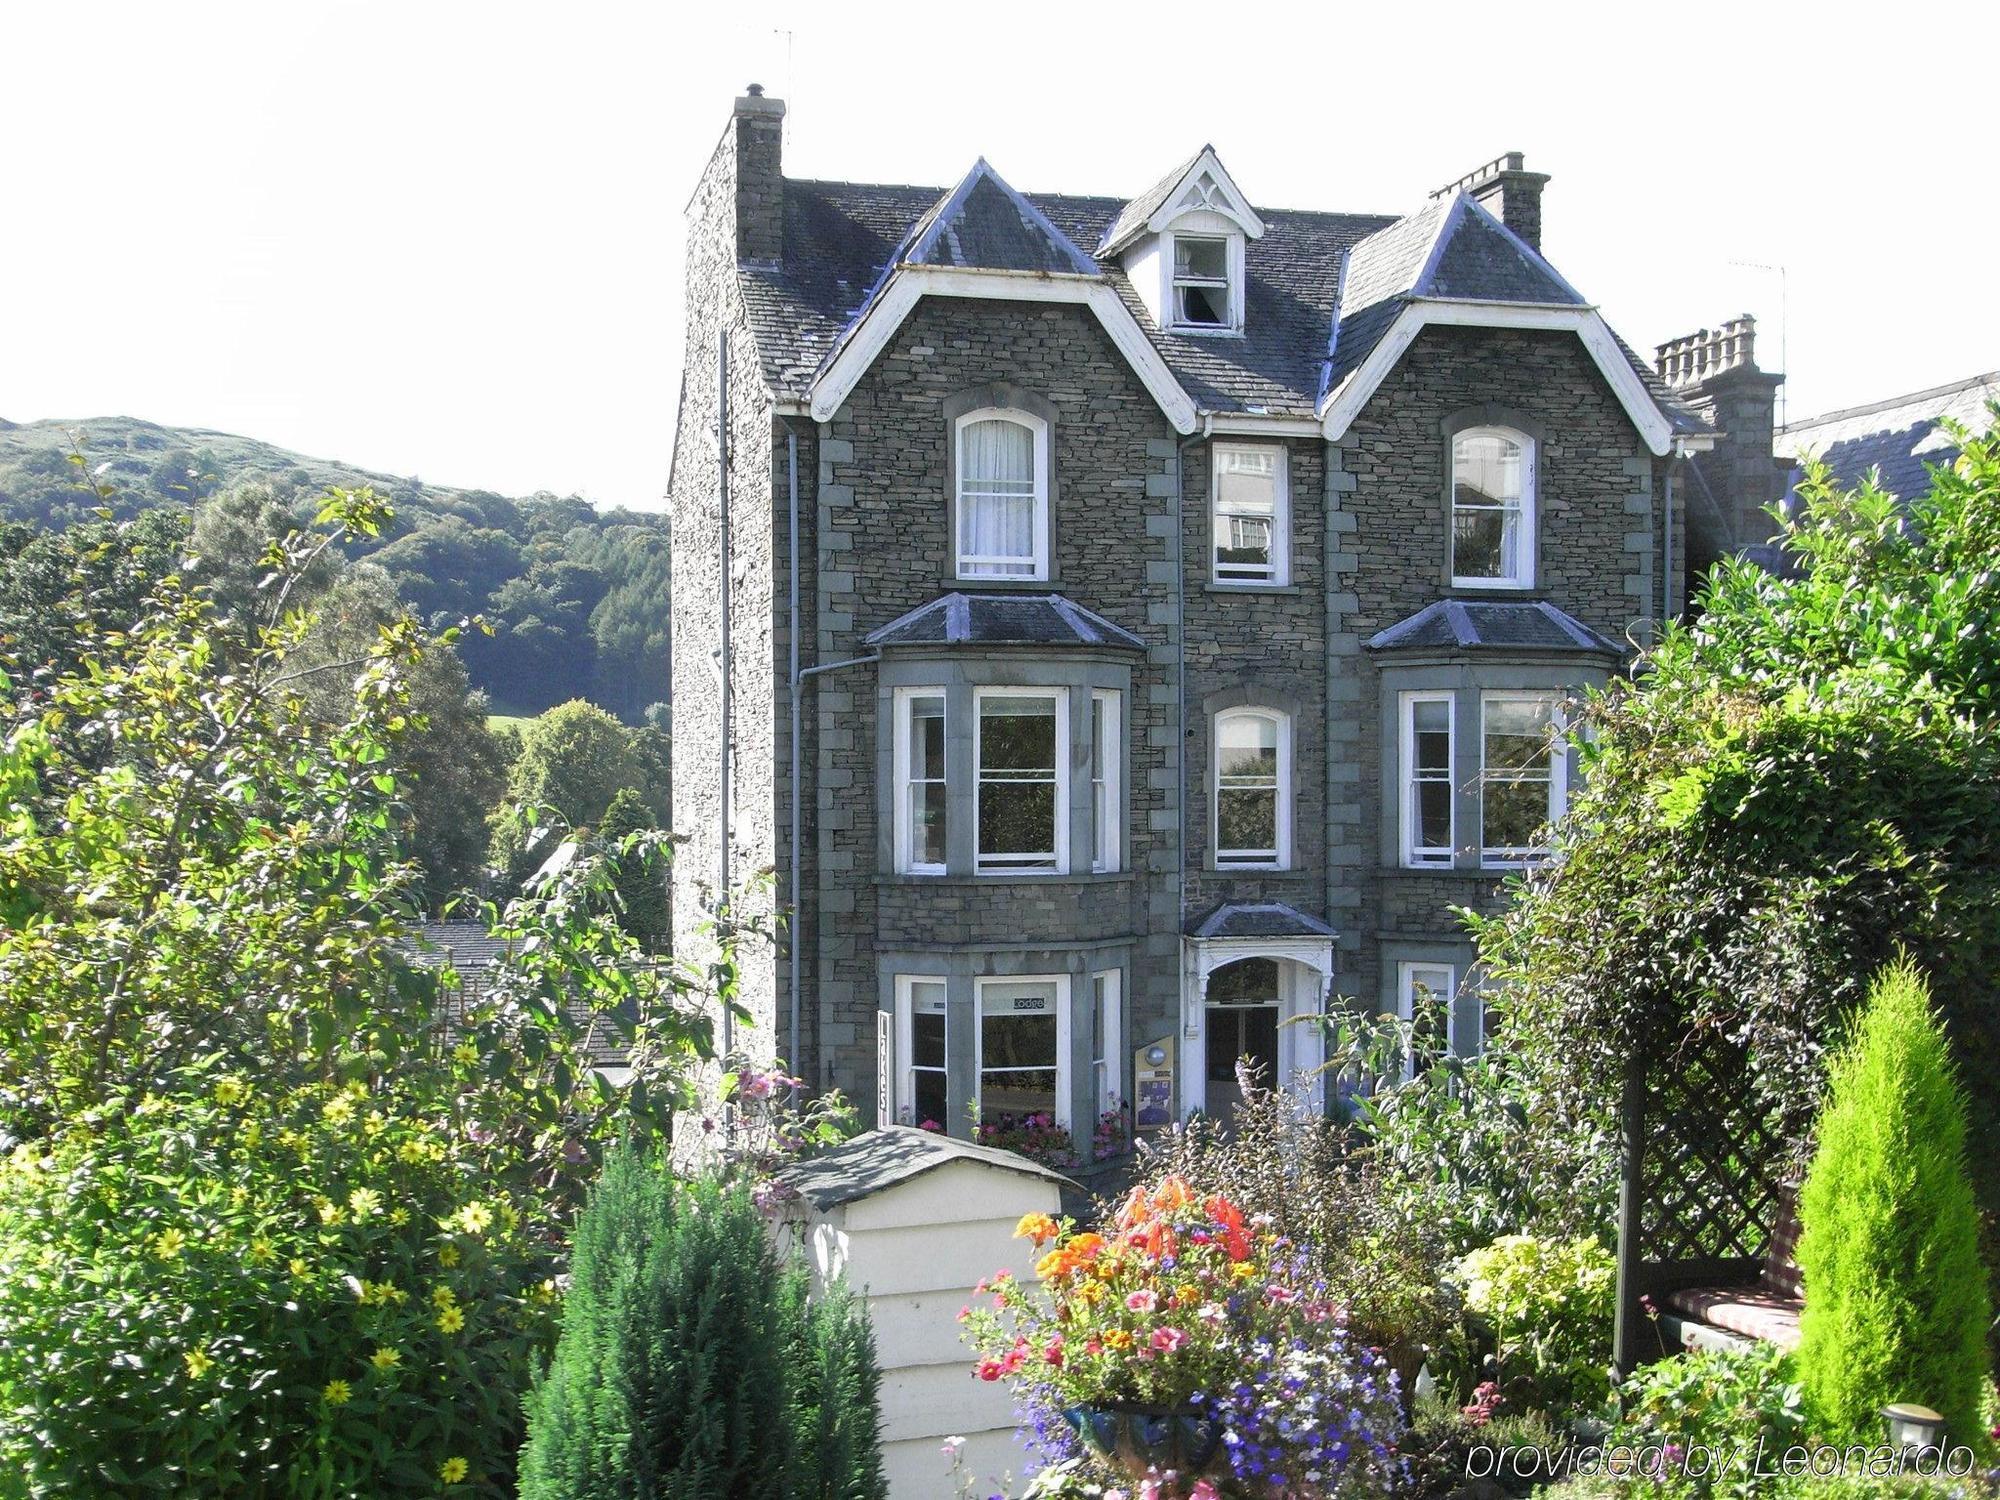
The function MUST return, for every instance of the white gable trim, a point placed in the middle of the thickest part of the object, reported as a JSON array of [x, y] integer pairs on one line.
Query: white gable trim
[[1227, 200], [1341, 406], [868, 338]]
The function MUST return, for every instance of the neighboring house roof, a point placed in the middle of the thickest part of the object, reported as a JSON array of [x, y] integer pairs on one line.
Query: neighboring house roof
[[1257, 919], [1469, 625], [1003, 620], [1896, 437], [890, 1156], [470, 950]]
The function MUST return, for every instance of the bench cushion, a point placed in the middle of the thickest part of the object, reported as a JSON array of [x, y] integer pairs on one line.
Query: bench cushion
[[1781, 1268], [1750, 1311]]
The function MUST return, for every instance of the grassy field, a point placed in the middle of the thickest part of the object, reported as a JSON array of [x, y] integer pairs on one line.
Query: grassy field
[[499, 723]]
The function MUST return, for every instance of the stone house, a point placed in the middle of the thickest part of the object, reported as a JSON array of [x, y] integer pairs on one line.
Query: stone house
[[1122, 627]]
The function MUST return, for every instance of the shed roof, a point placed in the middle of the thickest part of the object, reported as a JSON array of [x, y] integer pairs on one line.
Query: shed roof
[[1003, 620], [1476, 625], [880, 1159]]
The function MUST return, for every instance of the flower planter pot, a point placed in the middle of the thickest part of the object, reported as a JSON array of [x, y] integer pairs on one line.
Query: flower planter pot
[[1135, 1439]]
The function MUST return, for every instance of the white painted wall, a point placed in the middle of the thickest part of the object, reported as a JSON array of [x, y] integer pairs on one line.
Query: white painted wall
[[914, 1251]]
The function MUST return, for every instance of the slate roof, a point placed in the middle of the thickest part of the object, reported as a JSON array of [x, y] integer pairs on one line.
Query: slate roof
[[470, 949], [1003, 620], [894, 1154], [1476, 625], [1257, 919], [1320, 289], [842, 239], [1897, 436], [983, 224], [1132, 221]]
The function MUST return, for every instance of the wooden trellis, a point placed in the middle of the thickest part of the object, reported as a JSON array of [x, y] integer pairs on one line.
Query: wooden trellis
[[1702, 1164]]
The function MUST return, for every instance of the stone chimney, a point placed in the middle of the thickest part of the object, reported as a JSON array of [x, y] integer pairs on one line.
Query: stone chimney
[[759, 130], [1714, 372], [1508, 191]]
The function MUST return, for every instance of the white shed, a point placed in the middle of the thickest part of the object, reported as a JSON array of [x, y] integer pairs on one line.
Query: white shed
[[914, 1220]]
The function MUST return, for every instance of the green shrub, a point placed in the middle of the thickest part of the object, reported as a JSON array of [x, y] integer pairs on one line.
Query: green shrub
[[691, 1364], [1896, 1303], [1547, 1306], [1728, 1401]]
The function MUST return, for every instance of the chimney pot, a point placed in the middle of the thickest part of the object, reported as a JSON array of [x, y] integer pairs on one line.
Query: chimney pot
[[758, 129], [1507, 190], [755, 90]]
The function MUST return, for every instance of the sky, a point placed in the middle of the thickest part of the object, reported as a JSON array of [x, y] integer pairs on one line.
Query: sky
[[444, 240]]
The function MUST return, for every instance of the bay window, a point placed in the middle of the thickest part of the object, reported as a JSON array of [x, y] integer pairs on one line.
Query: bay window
[[1523, 775], [1022, 1046], [1107, 1039], [1250, 514], [922, 1042], [920, 781], [1022, 756], [1252, 791], [1106, 760], [1003, 494], [1427, 779], [1492, 509]]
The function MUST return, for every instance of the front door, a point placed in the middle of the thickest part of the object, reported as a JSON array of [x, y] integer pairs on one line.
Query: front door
[[1240, 1023]]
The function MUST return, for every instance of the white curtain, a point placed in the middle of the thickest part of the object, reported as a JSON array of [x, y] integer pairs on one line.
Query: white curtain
[[996, 496]]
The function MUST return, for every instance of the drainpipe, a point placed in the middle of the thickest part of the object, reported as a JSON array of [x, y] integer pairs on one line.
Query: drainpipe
[[722, 489]]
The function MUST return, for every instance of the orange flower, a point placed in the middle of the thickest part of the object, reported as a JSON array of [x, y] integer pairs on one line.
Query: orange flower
[[1055, 1263], [1083, 1246], [1172, 1193], [1036, 1227]]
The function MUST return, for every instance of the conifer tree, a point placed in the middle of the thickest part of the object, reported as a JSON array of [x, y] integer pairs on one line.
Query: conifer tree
[[692, 1365], [1896, 1303]]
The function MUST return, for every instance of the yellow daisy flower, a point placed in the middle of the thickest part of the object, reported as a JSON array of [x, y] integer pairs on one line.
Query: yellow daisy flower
[[262, 1251], [229, 1091], [448, 1256], [454, 1470], [337, 1393], [169, 1243], [386, 1359], [364, 1203], [198, 1363], [465, 1054], [450, 1320]]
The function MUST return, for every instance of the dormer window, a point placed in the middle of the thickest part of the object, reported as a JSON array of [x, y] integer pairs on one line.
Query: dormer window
[[1202, 298]]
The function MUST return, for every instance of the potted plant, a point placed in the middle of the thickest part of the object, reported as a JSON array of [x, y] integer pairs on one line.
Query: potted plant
[[1189, 1347]]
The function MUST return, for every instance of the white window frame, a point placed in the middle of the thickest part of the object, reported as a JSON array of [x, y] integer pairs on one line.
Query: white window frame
[[1509, 857], [1530, 468], [906, 833], [1418, 856], [1251, 859], [1407, 974], [1060, 863], [1107, 800], [988, 569], [906, 1050], [979, 988], [1279, 571], [1107, 1005], [1231, 280]]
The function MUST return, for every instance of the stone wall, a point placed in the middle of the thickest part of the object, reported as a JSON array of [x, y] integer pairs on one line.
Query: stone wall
[[715, 317]]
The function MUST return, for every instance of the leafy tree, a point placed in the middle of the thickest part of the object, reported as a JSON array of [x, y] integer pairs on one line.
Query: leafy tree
[[691, 1366], [61, 589], [573, 760], [1896, 1303], [639, 868], [317, 1226]]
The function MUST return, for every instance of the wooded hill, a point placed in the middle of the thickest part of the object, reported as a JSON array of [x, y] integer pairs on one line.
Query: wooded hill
[[577, 596]]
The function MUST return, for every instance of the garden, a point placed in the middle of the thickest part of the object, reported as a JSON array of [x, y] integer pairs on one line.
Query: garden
[[276, 1222]]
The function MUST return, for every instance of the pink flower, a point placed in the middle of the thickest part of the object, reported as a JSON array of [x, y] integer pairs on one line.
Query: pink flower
[[1280, 1296], [757, 1086], [1203, 1490], [1167, 1340], [989, 1369], [1142, 1301]]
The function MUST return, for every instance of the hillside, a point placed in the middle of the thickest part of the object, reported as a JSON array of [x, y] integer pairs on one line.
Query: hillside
[[577, 597]]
